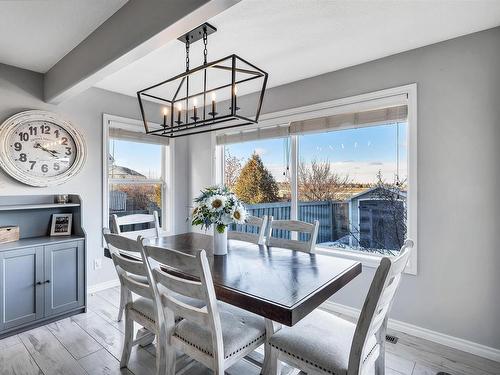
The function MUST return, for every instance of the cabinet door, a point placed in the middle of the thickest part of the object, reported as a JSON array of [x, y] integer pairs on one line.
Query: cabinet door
[[21, 298], [64, 277]]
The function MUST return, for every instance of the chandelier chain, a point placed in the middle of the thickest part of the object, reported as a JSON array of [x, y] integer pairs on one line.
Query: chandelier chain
[[205, 42], [187, 54]]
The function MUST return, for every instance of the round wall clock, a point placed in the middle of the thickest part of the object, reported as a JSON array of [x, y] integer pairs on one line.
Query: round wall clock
[[40, 148]]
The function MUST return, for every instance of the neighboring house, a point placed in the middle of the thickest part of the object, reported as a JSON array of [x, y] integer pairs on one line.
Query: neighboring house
[[376, 221], [117, 198], [117, 171]]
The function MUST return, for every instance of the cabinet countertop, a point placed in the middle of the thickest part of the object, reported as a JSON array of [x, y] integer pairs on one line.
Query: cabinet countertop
[[38, 241]]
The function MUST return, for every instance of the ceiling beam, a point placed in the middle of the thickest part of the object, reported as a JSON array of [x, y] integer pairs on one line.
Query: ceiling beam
[[135, 30]]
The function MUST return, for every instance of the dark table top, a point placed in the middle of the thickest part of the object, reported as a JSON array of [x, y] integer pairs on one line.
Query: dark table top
[[279, 284]]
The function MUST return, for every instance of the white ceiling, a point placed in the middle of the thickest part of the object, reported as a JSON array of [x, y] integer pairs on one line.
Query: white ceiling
[[295, 39], [36, 34]]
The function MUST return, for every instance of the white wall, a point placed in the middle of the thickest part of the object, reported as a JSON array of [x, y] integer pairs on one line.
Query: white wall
[[22, 90], [456, 290]]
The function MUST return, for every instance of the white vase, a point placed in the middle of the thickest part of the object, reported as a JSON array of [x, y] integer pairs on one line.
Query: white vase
[[220, 242]]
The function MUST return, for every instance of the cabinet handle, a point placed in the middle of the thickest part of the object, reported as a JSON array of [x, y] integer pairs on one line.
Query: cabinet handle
[[38, 283], [47, 281]]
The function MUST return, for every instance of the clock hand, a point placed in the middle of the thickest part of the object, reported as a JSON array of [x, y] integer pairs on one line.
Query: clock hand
[[51, 152]]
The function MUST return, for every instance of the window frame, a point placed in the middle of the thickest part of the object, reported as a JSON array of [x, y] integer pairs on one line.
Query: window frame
[[166, 170], [355, 103]]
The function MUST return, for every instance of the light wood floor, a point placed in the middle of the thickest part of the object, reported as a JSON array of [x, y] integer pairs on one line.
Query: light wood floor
[[91, 343]]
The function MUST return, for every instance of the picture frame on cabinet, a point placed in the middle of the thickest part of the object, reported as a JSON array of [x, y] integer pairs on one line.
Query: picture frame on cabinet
[[61, 225]]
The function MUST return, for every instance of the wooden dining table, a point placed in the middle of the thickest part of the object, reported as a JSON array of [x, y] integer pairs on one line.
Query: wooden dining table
[[279, 284]]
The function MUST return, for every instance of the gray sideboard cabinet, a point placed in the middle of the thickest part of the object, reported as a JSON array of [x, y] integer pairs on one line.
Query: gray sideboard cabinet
[[42, 278]]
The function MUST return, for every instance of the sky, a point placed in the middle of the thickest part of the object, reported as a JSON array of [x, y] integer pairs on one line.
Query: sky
[[141, 157], [359, 153]]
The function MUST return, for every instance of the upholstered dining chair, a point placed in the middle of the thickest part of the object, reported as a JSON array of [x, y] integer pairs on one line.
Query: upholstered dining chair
[[155, 231], [133, 279], [257, 238], [294, 226], [323, 343], [217, 335], [121, 248]]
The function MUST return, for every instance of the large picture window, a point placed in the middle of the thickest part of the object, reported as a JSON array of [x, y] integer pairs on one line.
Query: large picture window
[[350, 170], [354, 182], [135, 178]]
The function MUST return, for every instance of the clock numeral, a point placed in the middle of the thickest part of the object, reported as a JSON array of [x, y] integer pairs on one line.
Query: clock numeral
[[22, 157], [18, 146], [64, 141], [56, 166], [68, 151], [33, 130], [45, 168], [32, 162], [45, 129], [24, 137], [56, 132]]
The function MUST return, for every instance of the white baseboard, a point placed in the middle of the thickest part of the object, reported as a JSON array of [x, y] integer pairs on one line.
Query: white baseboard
[[424, 333], [101, 286]]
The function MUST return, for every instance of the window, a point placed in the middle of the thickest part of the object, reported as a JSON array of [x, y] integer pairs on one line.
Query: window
[[351, 165], [354, 182], [135, 179], [254, 171]]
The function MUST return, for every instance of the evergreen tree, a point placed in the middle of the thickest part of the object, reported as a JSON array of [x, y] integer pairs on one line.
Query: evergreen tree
[[255, 183]]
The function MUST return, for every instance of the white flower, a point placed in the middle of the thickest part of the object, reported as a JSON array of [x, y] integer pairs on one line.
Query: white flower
[[239, 214], [216, 202]]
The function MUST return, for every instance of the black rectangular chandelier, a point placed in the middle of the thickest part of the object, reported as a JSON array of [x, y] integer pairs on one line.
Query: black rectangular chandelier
[[205, 98]]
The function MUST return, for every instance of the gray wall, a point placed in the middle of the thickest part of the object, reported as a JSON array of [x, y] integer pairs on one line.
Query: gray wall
[[22, 90], [456, 290]]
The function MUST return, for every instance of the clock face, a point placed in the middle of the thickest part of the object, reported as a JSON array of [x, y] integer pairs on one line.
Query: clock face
[[39, 148], [42, 148]]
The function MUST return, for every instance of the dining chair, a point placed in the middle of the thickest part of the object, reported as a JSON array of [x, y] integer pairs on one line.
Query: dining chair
[[155, 231], [123, 248], [323, 343], [217, 335], [133, 279], [257, 238], [294, 226]]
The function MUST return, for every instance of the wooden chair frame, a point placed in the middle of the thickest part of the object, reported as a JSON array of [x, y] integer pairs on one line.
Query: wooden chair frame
[[126, 269], [169, 306], [372, 321], [118, 221], [259, 239], [294, 226]]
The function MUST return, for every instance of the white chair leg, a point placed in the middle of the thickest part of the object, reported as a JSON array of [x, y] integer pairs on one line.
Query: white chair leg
[[128, 340], [161, 360], [124, 298], [274, 362], [170, 359], [380, 361], [271, 365]]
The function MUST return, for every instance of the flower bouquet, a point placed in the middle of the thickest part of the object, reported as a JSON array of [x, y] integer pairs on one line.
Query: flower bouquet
[[218, 207]]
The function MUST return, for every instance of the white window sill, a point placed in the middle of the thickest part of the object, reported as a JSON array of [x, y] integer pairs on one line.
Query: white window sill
[[367, 260]]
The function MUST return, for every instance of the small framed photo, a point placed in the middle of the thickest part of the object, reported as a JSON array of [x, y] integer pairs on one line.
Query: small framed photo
[[61, 224]]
